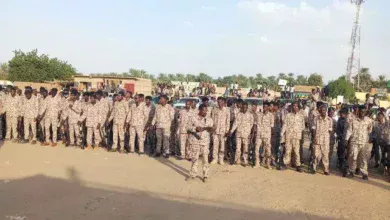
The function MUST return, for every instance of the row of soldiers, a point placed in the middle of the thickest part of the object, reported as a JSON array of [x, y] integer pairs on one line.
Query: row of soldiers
[[242, 133]]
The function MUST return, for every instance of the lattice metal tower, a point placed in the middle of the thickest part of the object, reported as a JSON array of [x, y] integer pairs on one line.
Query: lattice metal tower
[[353, 66]]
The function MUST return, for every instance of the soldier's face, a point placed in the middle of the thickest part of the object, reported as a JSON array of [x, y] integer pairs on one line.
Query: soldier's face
[[13, 92], [28, 95], [193, 104], [295, 108], [86, 98], [323, 111], [203, 112], [265, 108], [362, 113], [380, 117], [254, 108], [221, 103], [331, 113], [188, 104], [147, 101], [163, 101], [93, 99], [244, 108]]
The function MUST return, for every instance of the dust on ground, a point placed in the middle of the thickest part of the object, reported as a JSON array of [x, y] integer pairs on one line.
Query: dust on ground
[[66, 183]]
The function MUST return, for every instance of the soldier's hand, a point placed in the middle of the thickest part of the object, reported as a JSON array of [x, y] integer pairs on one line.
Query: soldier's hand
[[229, 134], [98, 126], [79, 123], [315, 140], [198, 129]]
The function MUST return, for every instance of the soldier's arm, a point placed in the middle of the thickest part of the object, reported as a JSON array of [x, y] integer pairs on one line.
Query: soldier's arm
[[112, 114], [237, 121], [129, 115], [283, 130], [227, 127], [272, 121], [83, 116]]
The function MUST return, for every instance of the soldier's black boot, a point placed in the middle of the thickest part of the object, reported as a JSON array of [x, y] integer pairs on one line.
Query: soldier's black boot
[[365, 177], [299, 169]]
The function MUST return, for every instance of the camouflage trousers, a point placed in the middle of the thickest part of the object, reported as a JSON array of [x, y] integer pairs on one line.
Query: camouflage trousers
[[139, 131], [93, 131], [184, 147], [196, 152], [244, 142], [163, 135], [292, 149], [321, 153], [12, 127], [118, 131], [219, 141], [332, 143], [266, 143], [74, 133], [53, 122], [359, 154], [27, 123]]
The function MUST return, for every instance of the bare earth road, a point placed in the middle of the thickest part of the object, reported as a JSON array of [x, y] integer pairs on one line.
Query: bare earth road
[[46, 183]]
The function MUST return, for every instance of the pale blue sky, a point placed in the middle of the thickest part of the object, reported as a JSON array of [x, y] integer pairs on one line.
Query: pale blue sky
[[218, 37]]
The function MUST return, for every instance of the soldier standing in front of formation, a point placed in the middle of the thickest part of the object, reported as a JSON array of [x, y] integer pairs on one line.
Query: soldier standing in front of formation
[[184, 118], [359, 130], [137, 118], [200, 127], [74, 111], [221, 119], [162, 119], [293, 125], [322, 128], [118, 116], [243, 124], [265, 123], [92, 122], [30, 111], [12, 110]]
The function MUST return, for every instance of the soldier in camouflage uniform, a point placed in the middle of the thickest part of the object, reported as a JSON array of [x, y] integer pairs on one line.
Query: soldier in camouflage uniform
[[359, 130], [322, 128], [200, 127], [264, 123], [185, 116], [92, 122], [74, 111], [30, 111], [137, 118], [162, 119], [276, 130], [221, 119], [381, 134], [243, 124], [52, 110], [41, 117], [118, 116], [12, 110], [341, 129], [291, 133], [332, 140], [104, 109], [150, 132]]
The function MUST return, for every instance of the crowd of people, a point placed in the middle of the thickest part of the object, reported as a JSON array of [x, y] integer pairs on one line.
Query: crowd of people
[[239, 133]]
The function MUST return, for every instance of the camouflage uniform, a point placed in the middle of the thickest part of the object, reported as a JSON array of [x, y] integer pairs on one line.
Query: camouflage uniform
[[322, 127], [104, 110], [162, 119], [73, 119], [292, 134], [332, 139], [42, 113], [137, 117], [52, 109], [359, 131], [265, 123], [92, 117], [30, 110], [199, 147], [184, 120], [315, 98], [381, 135], [118, 115], [12, 110], [221, 119], [243, 123], [150, 133]]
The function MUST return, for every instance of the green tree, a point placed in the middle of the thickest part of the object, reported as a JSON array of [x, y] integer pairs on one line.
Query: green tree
[[363, 81], [341, 87], [31, 67], [301, 80], [315, 80], [203, 77], [3, 71]]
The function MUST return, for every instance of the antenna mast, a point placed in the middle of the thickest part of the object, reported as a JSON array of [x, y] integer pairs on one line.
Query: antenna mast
[[353, 66]]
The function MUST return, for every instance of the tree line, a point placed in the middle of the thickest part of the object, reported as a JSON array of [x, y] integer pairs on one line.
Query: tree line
[[34, 67]]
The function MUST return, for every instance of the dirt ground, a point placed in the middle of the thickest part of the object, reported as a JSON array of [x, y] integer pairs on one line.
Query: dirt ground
[[47, 183]]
